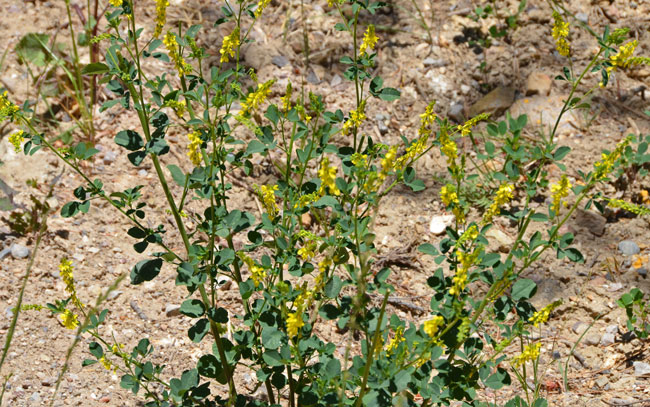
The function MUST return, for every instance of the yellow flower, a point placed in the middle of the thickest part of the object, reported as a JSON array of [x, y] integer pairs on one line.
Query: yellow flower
[[468, 235], [428, 117], [65, 271], [107, 364], [606, 164], [229, 45], [448, 147], [397, 339], [257, 272], [286, 99], [431, 326], [502, 197], [179, 107], [261, 5], [369, 40], [294, 323], [449, 197], [8, 110], [256, 98], [359, 160], [324, 264], [16, 139], [622, 59], [267, 195], [628, 206], [466, 128], [170, 42], [412, 152], [356, 118], [116, 3], [305, 200], [307, 251], [161, 16], [466, 261], [327, 175], [195, 147], [531, 352], [560, 33], [69, 320], [388, 162], [541, 316], [559, 191]]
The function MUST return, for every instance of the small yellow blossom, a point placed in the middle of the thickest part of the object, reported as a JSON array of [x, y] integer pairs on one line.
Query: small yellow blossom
[[560, 33], [388, 162], [531, 352], [359, 160], [606, 164], [170, 42], [116, 3], [256, 98], [466, 261], [69, 320], [449, 197], [628, 206], [16, 139], [161, 16], [261, 5], [369, 41], [541, 316], [179, 107], [286, 99], [466, 128], [324, 264], [195, 147], [8, 110], [107, 364], [431, 326], [229, 45], [305, 200], [267, 195], [294, 323], [357, 117], [429, 116], [559, 191], [397, 339], [307, 251], [257, 272], [622, 59], [65, 271], [502, 197], [468, 235], [412, 153], [327, 175], [448, 147]]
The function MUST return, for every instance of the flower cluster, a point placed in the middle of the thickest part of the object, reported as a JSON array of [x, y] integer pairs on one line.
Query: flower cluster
[[397, 339], [256, 98], [65, 271], [502, 197], [229, 45], [257, 272], [171, 44], [465, 262], [327, 175], [603, 167], [306, 199], [541, 316], [267, 195], [530, 352], [294, 323], [369, 41], [116, 3], [432, 326], [8, 110], [623, 58], [449, 198], [311, 244], [560, 33], [356, 118], [466, 128], [261, 5], [412, 152], [179, 106], [161, 16], [16, 139], [448, 147], [69, 319], [559, 191], [195, 147], [628, 206], [286, 99]]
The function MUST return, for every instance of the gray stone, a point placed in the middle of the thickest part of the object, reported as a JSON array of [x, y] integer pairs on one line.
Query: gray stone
[[579, 327], [556, 355], [607, 339], [643, 272], [279, 61], [142, 173], [455, 113], [381, 125], [434, 63], [313, 78], [35, 397], [641, 369], [601, 382], [172, 310], [19, 251], [592, 339], [5, 252], [582, 17], [538, 83], [612, 329], [628, 247], [114, 294], [592, 221], [109, 157], [495, 102]]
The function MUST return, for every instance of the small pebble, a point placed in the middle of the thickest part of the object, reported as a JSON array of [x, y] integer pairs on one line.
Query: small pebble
[[582, 17], [641, 368], [579, 327], [455, 113], [607, 339], [109, 157], [114, 294], [19, 251], [172, 310], [592, 339], [628, 247], [643, 272], [439, 223], [142, 173], [435, 63], [279, 61], [612, 329], [5, 252]]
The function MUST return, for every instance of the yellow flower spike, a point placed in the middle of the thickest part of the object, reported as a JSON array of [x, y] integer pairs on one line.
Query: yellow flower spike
[[161, 16], [502, 197], [327, 175], [388, 162], [257, 97], [267, 195], [530, 353], [286, 99], [432, 326], [8, 109], [357, 117], [559, 191], [412, 152], [16, 139], [305, 200], [229, 46], [194, 149], [448, 147], [466, 128], [397, 339], [179, 107], [69, 320], [541, 316], [261, 5], [294, 323], [369, 41], [603, 167], [171, 44], [560, 33], [628, 206], [116, 3], [622, 59]]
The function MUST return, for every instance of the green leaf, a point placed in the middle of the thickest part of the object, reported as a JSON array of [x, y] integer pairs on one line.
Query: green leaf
[[193, 308], [178, 175], [209, 366], [271, 337], [428, 248], [96, 349], [498, 380], [145, 270], [198, 330], [96, 68], [31, 48], [561, 152], [333, 287], [129, 139], [70, 209], [389, 94], [523, 289]]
